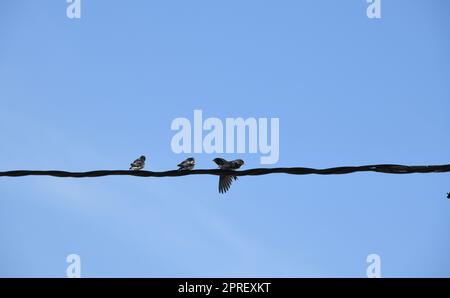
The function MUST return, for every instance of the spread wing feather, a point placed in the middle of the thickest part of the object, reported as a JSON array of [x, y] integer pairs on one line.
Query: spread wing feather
[[225, 183]]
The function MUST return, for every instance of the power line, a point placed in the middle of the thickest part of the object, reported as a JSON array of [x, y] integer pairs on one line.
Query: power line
[[379, 168]]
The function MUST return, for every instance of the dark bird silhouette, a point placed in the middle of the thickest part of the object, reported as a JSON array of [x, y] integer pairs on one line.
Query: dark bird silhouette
[[138, 164], [225, 181], [187, 164]]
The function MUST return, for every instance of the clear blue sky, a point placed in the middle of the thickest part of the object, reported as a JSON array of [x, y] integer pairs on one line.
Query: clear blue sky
[[96, 93]]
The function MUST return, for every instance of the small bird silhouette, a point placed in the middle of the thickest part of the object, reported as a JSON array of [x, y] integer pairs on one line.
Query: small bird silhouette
[[225, 181], [187, 164], [138, 164]]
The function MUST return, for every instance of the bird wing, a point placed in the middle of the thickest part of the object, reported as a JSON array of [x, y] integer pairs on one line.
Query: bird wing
[[184, 163], [225, 183], [136, 163], [221, 162]]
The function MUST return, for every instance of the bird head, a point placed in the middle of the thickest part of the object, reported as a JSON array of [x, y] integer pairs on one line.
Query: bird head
[[191, 159], [236, 164], [240, 162], [448, 195], [142, 157]]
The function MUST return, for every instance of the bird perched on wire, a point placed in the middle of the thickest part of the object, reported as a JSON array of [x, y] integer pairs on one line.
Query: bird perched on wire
[[138, 164], [226, 180], [187, 164]]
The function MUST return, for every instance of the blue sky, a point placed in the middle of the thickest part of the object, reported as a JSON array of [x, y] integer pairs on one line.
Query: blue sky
[[97, 92]]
